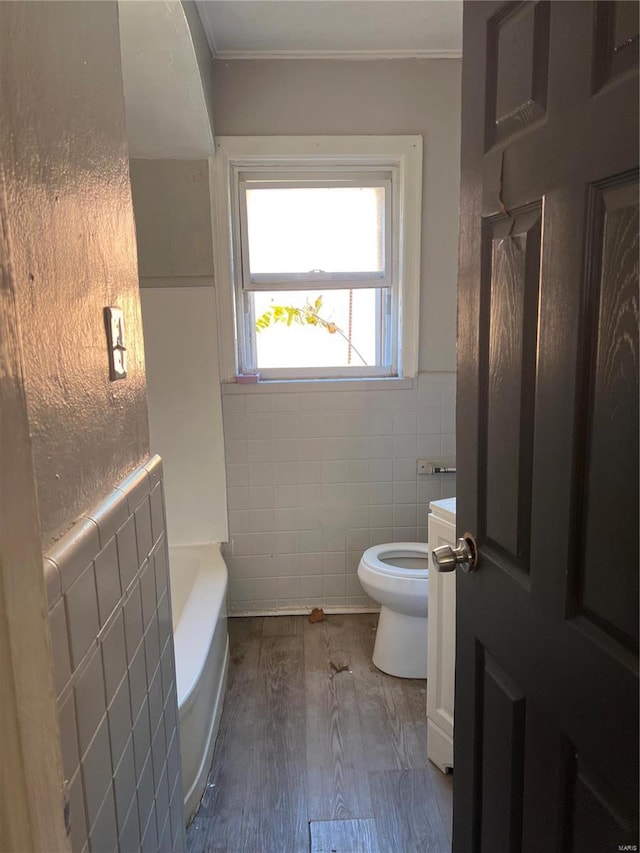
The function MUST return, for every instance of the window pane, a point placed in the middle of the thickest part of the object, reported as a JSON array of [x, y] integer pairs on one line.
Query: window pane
[[328, 229], [341, 330]]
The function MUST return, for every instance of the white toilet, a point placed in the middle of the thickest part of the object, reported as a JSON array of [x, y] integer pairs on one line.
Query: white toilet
[[397, 576]]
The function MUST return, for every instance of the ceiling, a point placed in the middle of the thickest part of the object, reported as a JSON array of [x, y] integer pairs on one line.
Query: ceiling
[[349, 29]]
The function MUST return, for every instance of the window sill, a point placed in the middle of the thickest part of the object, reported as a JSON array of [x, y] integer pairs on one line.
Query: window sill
[[288, 386]]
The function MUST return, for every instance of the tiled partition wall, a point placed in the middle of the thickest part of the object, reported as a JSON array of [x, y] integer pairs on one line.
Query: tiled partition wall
[[110, 618], [314, 477]]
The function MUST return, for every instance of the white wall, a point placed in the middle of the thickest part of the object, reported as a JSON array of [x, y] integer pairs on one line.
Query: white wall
[[164, 72], [173, 222], [185, 415], [316, 476]]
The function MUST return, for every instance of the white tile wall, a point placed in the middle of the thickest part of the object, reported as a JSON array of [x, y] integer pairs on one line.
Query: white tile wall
[[110, 617], [314, 478]]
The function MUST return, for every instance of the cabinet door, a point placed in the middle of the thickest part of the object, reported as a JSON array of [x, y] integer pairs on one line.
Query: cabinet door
[[442, 652]]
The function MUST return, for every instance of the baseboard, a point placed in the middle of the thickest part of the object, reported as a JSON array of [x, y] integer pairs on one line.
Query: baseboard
[[304, 611]]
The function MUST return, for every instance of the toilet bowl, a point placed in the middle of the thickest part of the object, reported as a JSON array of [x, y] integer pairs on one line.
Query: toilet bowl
[[396, 575]]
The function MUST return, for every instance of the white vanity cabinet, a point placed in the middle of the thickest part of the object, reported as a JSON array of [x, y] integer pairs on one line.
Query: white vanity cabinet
[[442, 639]]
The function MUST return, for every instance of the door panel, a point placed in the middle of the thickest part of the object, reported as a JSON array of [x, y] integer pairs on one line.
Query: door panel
[[518, 38], [616, 39], [548, 775], [546, 743], [509, 325], [609, 599], [503, 716]]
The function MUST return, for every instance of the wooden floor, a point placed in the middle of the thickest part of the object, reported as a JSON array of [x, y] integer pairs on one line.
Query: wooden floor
[[318, 751]]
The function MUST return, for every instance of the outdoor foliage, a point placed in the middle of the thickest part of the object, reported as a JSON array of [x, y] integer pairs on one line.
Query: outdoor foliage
[[307, 315]]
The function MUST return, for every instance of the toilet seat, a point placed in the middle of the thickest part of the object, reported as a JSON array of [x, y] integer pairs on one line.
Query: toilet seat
[[373, 559]]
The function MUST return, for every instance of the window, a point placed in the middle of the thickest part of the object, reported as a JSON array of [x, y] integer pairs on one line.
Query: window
[[322, 249]]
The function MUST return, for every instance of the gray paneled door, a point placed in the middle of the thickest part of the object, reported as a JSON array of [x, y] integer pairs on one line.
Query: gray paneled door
[[546, 716]]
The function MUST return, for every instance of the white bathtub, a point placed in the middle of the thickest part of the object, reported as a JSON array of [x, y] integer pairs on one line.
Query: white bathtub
[[199, 604]]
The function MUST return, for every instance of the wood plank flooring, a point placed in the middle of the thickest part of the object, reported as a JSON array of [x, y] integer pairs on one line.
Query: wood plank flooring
[[318, 751], [357, 836]]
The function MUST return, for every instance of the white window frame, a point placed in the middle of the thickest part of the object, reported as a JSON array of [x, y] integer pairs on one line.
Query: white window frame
[[398, 156]]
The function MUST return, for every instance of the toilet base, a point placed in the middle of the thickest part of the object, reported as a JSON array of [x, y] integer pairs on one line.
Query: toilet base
[[401, 644]]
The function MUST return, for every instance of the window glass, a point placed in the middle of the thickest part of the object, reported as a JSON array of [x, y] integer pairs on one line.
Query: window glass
[[316, 229], [318, 328]]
